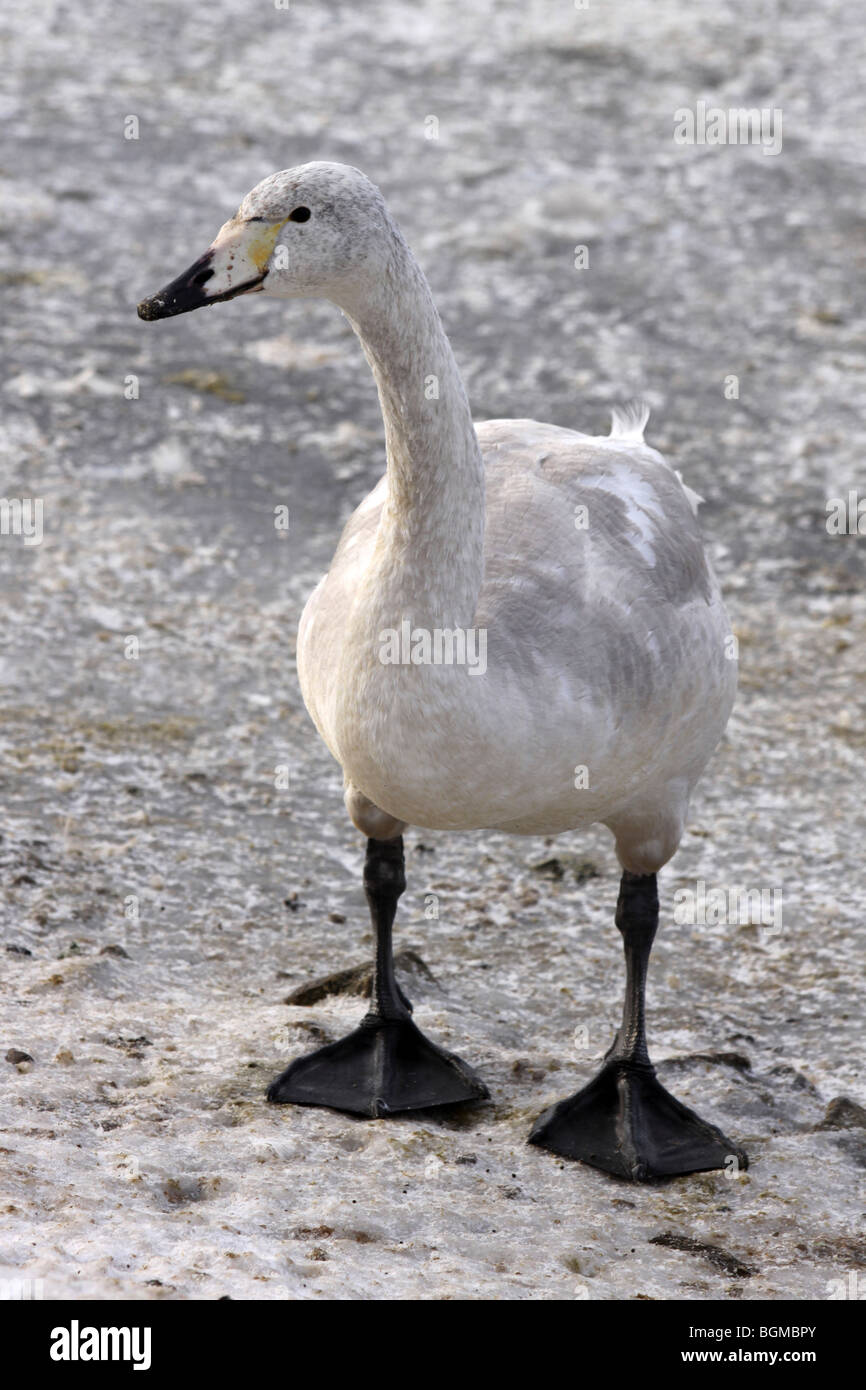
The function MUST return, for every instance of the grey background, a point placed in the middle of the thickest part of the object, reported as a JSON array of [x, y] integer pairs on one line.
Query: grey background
[[138, 1157]]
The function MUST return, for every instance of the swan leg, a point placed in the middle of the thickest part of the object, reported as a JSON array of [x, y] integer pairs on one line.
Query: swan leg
[[386, 1065], [624, 1121]]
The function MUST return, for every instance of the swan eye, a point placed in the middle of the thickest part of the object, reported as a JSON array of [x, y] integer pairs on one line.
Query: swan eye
[[300, 215]]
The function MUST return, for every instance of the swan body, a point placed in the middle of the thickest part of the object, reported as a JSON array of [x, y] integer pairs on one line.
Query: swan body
[[574, 567], [605, 652]]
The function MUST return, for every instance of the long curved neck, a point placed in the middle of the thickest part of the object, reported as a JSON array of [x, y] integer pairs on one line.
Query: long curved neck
[[429, 554]]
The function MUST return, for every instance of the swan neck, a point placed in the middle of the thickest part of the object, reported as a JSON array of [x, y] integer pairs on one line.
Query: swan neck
[[432, 530]]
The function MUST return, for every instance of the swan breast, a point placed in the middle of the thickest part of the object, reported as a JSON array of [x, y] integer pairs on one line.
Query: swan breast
[[605, 638]]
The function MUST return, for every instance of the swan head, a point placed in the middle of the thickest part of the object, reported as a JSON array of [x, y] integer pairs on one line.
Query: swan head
[[310, 232]]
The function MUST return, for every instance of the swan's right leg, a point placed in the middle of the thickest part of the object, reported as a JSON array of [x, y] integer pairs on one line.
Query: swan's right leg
[[624, 1121], [387, 1064]]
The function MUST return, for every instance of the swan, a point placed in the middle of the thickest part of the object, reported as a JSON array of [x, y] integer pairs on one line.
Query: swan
[[520, 631]]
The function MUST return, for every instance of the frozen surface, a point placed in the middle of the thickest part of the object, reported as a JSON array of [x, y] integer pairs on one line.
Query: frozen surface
[[137, 1156]]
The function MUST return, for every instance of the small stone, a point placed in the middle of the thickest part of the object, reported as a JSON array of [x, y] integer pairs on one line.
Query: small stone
[[843, 1113], [64, 1057], [720, 1259], [358, 980], [112, 949], [550, 868], [738, 1060], [179, 1191], [19, 951], [336, 917], [15, 1056], [556, 867]]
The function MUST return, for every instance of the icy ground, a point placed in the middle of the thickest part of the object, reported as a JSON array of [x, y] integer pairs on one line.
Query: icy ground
[[137, 1156]]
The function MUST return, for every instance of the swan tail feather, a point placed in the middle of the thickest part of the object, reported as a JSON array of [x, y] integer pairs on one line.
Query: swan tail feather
[[629, 421], [695, 498]]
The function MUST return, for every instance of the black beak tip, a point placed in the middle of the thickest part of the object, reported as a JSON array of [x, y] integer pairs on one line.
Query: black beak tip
[[182, 295], [187, 292], [153, 308]]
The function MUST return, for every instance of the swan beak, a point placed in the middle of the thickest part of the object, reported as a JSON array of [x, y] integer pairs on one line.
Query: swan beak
[[236, 263]]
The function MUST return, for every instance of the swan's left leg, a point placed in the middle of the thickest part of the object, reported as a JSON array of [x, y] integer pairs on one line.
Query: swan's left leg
[[387, 1064], [624, 1121]]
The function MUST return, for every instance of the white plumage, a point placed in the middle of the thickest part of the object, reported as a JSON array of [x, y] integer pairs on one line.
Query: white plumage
[[519, 630], [606, 636]]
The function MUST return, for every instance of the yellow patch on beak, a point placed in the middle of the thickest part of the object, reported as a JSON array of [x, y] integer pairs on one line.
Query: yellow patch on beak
[[260, 241]]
